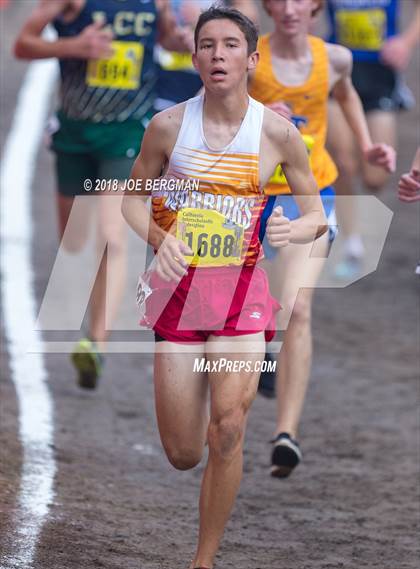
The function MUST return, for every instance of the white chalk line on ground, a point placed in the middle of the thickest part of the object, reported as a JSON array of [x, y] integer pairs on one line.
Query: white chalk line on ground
[[28, 371]]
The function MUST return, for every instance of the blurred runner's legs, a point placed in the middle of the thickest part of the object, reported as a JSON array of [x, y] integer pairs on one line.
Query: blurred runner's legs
[[380, 53], [294, 77], [107, 92], [205, 139]]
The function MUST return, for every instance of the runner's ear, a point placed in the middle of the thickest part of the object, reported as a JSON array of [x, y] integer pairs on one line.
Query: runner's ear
[[253, 61], [194, 60]]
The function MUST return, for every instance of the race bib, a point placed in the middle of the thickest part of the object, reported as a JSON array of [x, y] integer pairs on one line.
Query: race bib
[[278, 177], [216, 242], [121, 71], [361, 29], [174, 61]]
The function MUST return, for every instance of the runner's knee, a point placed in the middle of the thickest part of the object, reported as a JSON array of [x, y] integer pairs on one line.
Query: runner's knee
[[73, 243], [182, 458], [225, 435], [375, 180], [301, 310]]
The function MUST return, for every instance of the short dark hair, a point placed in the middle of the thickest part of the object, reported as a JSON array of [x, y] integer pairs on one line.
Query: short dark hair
[[219, 13]]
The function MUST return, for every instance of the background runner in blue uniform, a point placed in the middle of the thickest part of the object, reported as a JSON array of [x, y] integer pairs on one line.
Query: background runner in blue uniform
[[381, 52]]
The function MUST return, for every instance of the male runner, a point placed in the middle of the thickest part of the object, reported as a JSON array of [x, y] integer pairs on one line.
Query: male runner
[[178, 79], [230, 144], [108, 79], [381, 53], [294, 76]]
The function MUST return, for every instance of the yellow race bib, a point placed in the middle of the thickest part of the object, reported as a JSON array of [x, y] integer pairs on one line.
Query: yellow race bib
[[174, 61], [278, 177], [216, 242], [361, 29], [121, 71]]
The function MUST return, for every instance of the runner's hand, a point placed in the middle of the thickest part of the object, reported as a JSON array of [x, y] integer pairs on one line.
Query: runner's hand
[[94, 42], [185, 38], [281, 109], [278, 228], [409, 186], [381, 155], [396, 53], [171, 264]]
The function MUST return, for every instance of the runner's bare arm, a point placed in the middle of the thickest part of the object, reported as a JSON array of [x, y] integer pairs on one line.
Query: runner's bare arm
[[157, 143], [285, 141], [171, 36], [92, 42], [148, 166], [397, 50], [343, 91]]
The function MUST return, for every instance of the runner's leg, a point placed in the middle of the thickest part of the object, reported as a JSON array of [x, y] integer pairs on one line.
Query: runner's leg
[[75, 220], [74, 215], [110, 280], [382, 128], [181, 403], [341, 144], [231, 397], [289, 271]]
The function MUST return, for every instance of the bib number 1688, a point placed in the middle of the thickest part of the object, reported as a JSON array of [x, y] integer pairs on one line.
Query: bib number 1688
[[216, 247]]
